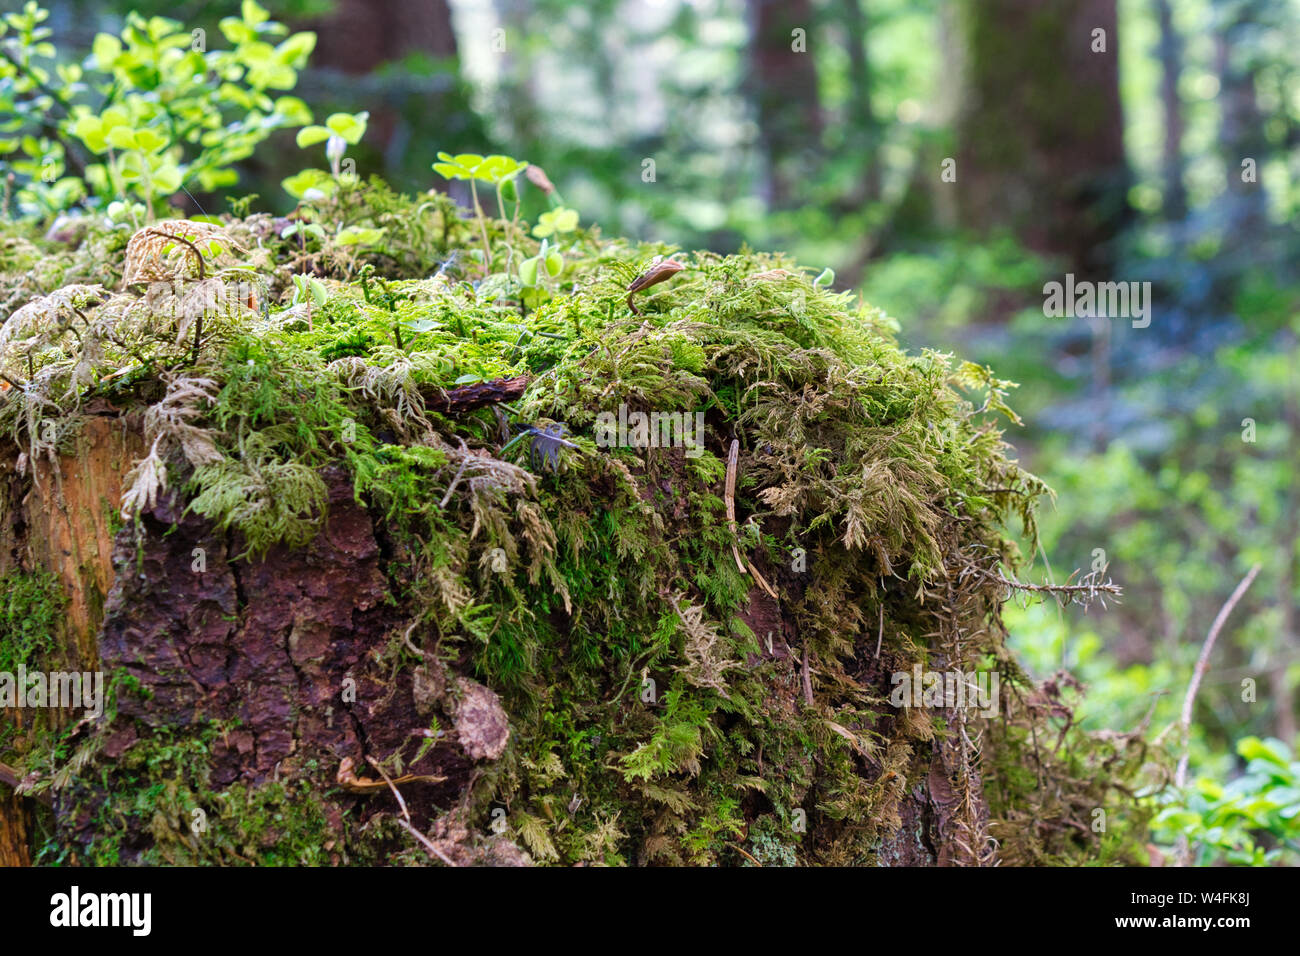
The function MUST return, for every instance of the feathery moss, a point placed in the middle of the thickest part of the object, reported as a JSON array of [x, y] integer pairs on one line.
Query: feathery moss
[[656, 714]]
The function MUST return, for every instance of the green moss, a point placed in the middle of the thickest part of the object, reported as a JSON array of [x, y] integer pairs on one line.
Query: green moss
[[162, 788], [31, 612], [596, 589]]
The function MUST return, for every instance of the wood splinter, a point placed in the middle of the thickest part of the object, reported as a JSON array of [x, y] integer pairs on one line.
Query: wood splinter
[[730, 498]]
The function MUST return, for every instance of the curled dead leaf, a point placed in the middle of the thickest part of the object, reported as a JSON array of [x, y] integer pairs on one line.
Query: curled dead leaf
[[660, 271]]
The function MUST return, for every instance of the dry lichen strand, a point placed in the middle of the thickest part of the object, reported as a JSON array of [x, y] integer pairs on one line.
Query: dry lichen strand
[[868, 459]]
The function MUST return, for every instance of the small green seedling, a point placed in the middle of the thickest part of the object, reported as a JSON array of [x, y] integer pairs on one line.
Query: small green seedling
[[547, 263], [496, 169], [309, 291], [302, 230], [340, 131], [309, 288]]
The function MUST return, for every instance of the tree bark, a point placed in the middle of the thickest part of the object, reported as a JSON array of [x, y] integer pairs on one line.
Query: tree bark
[[262, 648], [1041, 129], [15, 840], [864, 127], [783, 86]]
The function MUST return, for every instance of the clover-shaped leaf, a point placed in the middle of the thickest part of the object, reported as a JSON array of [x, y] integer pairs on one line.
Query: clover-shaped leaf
[[358, 236], [494, 169], [556, 221], [311, 135], [301, 184], [349, 127], [462, 166]]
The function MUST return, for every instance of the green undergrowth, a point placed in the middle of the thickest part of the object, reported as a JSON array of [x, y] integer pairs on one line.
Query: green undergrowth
[[594, 588]]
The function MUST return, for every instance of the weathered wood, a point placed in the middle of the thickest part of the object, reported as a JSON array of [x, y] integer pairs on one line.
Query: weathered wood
[[15, 820], [65, 517], [69, 513], [15, 849], [467, 398]]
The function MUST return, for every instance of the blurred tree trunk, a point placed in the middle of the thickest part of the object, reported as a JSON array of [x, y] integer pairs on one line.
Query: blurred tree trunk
[[359, 35], [1041, 131], [517, 80], [399, 60], [783, 86], [1241, 123], [865, 128], [1170, 50]]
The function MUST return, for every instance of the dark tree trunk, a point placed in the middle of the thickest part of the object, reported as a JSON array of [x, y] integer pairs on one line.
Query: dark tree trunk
[[359, 35], [1041, 129], [413, 111], [1241, 125], [865, 128], [783, 86], [1170, 50]]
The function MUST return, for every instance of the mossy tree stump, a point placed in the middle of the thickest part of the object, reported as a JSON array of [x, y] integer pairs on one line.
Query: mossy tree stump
[[387, 542]]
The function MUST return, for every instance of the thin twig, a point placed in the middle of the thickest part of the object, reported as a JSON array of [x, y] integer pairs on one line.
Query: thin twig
[[807, 678], [388, 780], [456, 479], [428, 844], [762, 582], [732, 459], [1202, 664], [406, 817], [737, 847], [1055, 588], [1183, 851]]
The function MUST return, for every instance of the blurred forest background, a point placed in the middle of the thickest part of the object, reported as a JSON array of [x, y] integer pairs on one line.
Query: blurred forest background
[[1164, 149]]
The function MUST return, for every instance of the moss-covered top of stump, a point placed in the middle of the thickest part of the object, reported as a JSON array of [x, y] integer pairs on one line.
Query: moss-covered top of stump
[[568, 648]]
